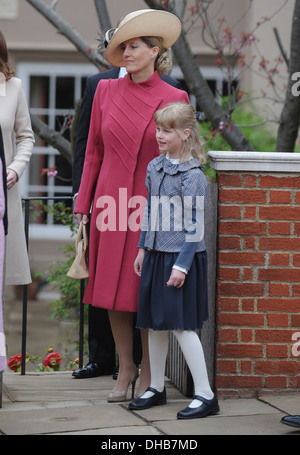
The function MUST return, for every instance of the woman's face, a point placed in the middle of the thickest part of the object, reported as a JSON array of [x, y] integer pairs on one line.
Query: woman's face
[[138, 57]]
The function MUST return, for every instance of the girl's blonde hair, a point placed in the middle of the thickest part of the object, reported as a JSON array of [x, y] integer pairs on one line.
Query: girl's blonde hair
[[182, 116]]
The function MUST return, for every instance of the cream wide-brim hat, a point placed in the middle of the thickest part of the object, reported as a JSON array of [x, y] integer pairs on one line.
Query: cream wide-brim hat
[[147, 22]]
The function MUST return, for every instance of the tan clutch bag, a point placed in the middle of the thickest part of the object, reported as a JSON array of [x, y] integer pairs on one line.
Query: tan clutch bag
[[79, 269]]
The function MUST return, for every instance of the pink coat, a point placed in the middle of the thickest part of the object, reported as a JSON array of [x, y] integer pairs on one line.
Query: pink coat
[[121, 143]]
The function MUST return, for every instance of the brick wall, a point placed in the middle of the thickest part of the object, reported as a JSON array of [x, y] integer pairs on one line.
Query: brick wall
[[258, 276]]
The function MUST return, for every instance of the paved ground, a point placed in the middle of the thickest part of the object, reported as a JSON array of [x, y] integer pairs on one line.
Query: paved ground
[[57, 404]]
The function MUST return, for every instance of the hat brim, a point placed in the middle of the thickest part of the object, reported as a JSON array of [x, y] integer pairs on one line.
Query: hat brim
[[143, 23]]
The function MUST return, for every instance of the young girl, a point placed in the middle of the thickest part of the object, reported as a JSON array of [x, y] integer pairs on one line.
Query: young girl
[[172, 259]]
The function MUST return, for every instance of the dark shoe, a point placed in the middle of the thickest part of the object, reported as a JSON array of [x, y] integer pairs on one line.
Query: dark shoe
[[159, 398], [208, 407], [92, 370], [292, 421], [116, 373]]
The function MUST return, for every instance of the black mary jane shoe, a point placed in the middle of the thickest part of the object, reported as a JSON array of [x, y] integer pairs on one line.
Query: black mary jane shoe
[[92, 370], [208, 407], [291, 421], [159, 398]]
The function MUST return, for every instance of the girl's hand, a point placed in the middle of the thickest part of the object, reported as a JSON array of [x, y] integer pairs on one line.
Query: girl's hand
[[11, 177], [176, 279], [81, 217], [138, 263]]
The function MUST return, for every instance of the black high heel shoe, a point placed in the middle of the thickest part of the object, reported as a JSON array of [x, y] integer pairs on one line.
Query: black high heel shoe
[[159, 398], [208, 407]]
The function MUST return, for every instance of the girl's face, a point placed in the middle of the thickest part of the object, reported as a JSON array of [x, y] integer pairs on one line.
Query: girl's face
[[139, 58], [170, 141]]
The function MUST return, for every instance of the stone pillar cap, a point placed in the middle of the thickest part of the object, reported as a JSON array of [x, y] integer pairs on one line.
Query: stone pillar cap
[[255, 161]]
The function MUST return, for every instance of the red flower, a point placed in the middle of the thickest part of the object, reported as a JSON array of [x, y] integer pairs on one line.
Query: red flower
[[14, 363], [52, 360]]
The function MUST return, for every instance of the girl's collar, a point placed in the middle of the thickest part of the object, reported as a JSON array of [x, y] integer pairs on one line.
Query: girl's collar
[[169, 167], [177, 160], [173, 160]]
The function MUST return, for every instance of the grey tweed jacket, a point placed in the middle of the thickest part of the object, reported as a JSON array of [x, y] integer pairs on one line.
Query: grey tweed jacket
[[174, 214]]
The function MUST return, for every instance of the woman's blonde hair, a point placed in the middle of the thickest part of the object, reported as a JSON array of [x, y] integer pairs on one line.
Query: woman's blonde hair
[[5, 68], [182, 116], [163, 62]]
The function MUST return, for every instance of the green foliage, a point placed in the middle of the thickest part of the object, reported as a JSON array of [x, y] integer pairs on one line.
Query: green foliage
[[67, 305], [259, 134]]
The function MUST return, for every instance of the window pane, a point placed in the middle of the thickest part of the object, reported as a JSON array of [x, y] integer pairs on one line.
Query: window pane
[[64, 98], [229, 89], [38, 141], [212, 83], [64, 169], [62, 125], [39, 91], [37, 164]]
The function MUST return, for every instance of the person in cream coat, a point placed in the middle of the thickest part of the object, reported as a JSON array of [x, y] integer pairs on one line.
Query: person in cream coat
[[18, 140], [3, 232]]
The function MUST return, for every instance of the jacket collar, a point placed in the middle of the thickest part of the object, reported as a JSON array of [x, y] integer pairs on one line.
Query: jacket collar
[[162, 163]]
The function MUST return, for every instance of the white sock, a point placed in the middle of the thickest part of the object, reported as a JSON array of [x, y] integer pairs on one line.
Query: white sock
[[158, 350], [192, 350]]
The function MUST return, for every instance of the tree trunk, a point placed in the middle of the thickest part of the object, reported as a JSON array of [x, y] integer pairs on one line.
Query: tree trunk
[[205, 98], [52, 137], [198, 85], [67, 30], [103, 16], [290, 116], [185, 59]]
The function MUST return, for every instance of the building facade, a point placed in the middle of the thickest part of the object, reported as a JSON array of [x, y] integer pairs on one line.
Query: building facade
[[54, 72]]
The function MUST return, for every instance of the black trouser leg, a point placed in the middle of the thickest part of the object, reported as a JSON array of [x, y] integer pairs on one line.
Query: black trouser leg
[[100, 337]]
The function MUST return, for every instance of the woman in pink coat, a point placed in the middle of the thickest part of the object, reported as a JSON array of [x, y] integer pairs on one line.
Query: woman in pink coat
[[121, 143]]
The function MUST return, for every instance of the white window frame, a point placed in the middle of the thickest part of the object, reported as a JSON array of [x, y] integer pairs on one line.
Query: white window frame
[[25, 70], [209, 73]]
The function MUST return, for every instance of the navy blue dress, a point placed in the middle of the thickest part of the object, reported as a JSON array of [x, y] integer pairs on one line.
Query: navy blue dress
[[162, 307]]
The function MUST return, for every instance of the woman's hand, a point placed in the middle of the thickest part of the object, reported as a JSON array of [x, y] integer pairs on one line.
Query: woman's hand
[[176, 279], [81, 217], [138, 263], [11, 178]]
